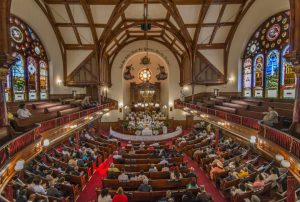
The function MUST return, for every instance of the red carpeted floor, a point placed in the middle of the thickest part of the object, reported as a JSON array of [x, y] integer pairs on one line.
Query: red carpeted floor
[[89, 193]]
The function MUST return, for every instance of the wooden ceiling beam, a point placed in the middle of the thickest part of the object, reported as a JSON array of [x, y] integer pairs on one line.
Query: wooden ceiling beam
[[217, 26], [201, 18], [115, 2], [211, 46], [73, 22], [80, 46], [88, 13], [63, 24]]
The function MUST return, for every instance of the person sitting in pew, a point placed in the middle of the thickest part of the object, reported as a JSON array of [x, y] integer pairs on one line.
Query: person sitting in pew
[[145, 187], [113, 169], [257, 184], [21, 196], [192, 185], [203, 196], [76, 171], [163, 161], [240, 190], [165, 168], [129, 144], [191, 173], [152, 168], [188, 196], [53, 191], [23, 112], [142, 176], [271, 117], [104, 196], [133, 177], [175, 175], [120, 196], [123, 177], [242, 174], [167, 198], [37, 187], [72, 162], [218, 168], [132, 151], [271, 177]]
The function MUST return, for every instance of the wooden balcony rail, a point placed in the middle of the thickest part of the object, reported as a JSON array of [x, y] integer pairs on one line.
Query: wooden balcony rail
[[284, 140]]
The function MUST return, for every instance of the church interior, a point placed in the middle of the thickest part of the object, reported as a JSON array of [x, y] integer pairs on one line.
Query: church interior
[[149, 100]]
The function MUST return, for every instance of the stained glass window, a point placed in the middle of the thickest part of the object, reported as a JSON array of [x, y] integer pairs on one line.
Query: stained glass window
[[271, 74], [258, 75], [18, 78], [28, 79], [287, 76], [247, 77]]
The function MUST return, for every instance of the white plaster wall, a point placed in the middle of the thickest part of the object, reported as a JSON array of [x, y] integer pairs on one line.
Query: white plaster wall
[[30, 13], [256, 15], [116, 91]]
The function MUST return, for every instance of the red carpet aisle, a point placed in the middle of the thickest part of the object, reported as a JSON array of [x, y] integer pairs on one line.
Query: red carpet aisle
[[204, 180], [89, 193]]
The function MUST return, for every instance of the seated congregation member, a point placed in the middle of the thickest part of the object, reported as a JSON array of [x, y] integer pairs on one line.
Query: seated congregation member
[[175, 175], [163, 161], [218, 168], [258, 183], [271, 117], [188, 196], [142, 176], [113, 169], [85, 103], [192, 185], [37, 187], [165, 168], [104, 196], [191, 173], [240, 190], [132, 151], [21, 196], [123, 177], [203, 196], [271, 177], [23, 112], [145, 187], [152, 168], [53, 191], [167, 198], [120, 196], [133, 177]]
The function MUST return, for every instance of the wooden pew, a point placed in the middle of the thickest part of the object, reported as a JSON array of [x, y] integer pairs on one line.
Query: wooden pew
[[57, 108], [137, 167], [45, 105], [226, 109], [161, 184], [150, 161], [68, 111]]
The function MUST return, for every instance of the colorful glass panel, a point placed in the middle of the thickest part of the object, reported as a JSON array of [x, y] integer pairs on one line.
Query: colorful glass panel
[[7, 86], [32, 78], [258, 75], [18, 78], [247, 77], [287, 77], [43, 80], [272, 73], [30, 52]]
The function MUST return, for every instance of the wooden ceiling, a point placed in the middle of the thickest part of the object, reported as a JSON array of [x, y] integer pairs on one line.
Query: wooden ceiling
[[108, 25]]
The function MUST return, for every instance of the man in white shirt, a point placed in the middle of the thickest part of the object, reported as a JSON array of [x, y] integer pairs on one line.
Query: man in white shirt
[[163, 161], [117, 156], [23, 112], [38, 188], [123, 177]]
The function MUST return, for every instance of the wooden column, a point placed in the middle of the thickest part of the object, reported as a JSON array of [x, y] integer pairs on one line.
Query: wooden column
[[189, 121], [290, 189], [3, 111]]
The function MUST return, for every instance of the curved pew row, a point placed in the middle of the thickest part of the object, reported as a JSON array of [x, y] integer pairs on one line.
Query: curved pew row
[[67, 167], [235, 157]]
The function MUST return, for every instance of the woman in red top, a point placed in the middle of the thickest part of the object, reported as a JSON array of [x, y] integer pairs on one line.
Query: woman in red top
[[120, 196]]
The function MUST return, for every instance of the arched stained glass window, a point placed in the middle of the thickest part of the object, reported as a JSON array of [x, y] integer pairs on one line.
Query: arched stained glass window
[[287, 77], [32, 78], [28, 79], [247, 77], [18, 78], [271, 74], [258, 75], [43, 80]]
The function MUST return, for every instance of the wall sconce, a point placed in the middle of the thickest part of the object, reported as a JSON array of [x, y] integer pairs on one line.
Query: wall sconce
[[231, 79], [46, 143], [171, 109], [121, 108], [59, 82]]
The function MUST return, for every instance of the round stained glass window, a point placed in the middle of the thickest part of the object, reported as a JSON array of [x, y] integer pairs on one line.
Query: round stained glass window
[[145, 75], [16, 34], [273, 32]]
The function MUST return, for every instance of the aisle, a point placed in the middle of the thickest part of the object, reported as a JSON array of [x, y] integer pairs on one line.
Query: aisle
[[89, 193], [204, 180]]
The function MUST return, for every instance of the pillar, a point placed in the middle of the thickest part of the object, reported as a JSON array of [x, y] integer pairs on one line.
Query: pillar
[[290, 195], [189, 121], [3, 110], [99, 95]]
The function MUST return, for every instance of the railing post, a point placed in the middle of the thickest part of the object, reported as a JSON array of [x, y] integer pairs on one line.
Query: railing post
[[290, 189]]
